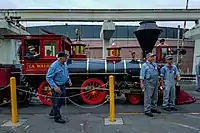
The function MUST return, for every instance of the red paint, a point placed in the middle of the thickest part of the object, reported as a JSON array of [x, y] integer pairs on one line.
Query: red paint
[[98, 96], [134, 99], [5, 76], [159, 49]]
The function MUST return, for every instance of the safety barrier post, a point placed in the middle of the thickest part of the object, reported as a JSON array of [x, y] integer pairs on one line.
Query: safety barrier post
[[112, 120], [13, 100], [112, 99]]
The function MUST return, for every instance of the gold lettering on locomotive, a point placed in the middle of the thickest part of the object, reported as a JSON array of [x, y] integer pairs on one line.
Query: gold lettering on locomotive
[[31, 66], [38, 66]]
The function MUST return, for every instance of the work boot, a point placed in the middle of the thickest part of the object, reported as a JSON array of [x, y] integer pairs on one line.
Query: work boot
[[51, 114], [173, 108], [155, 111], [148, 114], [167, 108], [59, 120]]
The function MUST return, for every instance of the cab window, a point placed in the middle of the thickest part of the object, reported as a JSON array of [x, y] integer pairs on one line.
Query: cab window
[[50, 48]]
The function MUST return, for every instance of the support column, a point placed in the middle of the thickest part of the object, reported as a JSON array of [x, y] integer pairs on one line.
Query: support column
[[107, 30], [9, 45], [194, 34]]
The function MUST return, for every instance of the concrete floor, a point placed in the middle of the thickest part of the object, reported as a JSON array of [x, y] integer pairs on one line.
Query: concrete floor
[[82, 120]]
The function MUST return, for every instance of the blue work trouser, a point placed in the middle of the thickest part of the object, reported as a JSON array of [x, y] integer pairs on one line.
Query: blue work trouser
[[150, 94], [169, 94], [198, 83], [57, 101]]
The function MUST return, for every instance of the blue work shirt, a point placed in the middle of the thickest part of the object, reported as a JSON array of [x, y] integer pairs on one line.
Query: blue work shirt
[[148, 70], [57, 74], [169, 75]]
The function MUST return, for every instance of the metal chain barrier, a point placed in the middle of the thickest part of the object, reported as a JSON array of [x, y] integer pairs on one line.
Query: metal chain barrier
[[5, 87], [36, 94], [4, 102], [7, 102]]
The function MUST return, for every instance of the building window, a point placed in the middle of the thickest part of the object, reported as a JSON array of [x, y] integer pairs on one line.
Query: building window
[[50, 49]]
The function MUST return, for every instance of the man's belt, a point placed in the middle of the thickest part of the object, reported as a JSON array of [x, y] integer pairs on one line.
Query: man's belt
[[60, 85]]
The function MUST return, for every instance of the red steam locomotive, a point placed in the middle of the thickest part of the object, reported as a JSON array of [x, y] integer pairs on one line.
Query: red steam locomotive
[[86, 74]]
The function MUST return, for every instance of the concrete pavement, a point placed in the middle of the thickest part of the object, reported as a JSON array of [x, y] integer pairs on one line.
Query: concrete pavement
[[186, 120]]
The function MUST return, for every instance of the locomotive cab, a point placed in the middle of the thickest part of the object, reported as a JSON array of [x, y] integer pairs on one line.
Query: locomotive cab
[[38, 52]]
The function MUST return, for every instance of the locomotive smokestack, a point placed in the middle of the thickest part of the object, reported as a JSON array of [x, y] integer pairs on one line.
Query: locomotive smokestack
[[147, 34]]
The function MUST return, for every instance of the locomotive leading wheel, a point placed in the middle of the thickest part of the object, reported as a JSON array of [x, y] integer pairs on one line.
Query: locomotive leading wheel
[[95, 96], [44, 89]]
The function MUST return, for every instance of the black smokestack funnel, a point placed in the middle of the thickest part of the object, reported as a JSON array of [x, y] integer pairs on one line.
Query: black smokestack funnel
[[147, 35]]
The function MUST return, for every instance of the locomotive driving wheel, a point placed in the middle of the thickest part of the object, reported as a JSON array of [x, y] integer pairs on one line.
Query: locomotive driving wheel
[[44, 92], [92, 91], [133, 99]]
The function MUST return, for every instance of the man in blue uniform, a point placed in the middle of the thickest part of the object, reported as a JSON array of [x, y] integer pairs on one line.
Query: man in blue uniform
[[169, 74], [58, 77], [149, 81]]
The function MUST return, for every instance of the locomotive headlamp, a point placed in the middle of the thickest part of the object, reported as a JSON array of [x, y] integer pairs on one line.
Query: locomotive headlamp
[[113, 52]]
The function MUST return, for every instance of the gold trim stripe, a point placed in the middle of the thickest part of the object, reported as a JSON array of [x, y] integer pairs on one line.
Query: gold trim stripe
[[114, 66], [87, 66], [105, 66], [124, 66], [140, 65]]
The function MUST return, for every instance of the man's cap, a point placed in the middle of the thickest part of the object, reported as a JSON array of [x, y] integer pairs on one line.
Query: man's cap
[[62, 54], [31, 47], [169, 57], [150, 55]]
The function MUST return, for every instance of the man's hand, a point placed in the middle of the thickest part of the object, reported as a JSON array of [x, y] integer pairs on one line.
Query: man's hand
[[142, 86], [57, 89], [70, 83]]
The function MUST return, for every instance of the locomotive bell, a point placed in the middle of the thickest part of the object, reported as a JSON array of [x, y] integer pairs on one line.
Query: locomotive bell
[[147, 34]]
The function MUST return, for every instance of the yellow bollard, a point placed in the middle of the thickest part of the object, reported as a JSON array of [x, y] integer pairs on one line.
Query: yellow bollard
[[13, 99], [112, 100]]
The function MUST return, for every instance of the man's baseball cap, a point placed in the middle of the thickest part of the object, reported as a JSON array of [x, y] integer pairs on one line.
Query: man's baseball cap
[[150, 55], [31, 47], [169, 57], [62, 54]]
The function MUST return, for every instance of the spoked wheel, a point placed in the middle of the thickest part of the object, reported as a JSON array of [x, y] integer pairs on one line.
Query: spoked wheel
[[95, 96], [45, 90], [134, 99]]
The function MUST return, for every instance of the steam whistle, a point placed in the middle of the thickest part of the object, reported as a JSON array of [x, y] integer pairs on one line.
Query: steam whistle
[[78, 35]]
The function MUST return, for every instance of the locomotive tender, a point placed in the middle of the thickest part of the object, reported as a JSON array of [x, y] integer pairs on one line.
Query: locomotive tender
[[86, 74]]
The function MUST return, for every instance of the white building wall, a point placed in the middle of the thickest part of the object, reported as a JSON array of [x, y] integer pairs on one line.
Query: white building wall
[[8, 51], [196, 53]]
